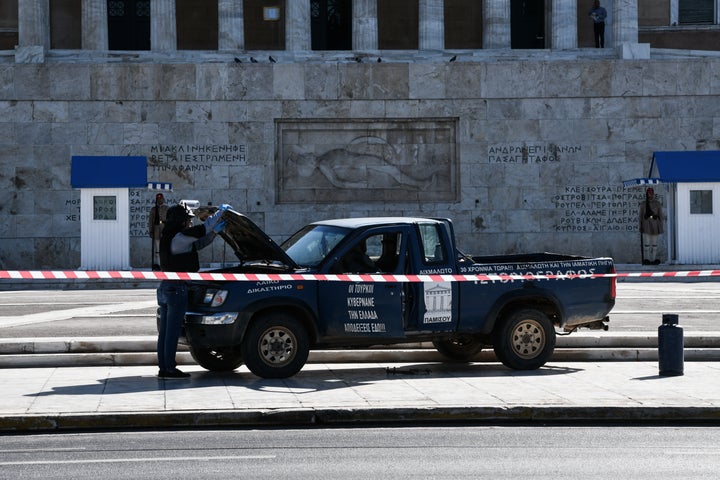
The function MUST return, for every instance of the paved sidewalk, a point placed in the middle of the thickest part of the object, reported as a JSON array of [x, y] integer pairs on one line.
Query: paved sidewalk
[[36, 399]]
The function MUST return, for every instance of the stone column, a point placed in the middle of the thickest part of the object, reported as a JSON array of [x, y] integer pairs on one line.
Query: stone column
[[297, 25], [496, 24], [625, 30], [564, 25], [231, 29], [432, 25], [33, 31], [625, 21], [365, 25], [163, 27], [674, 12], [94, 25]]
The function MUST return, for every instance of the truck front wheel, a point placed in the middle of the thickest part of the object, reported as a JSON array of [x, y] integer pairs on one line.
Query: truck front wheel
[[276, 346], [525, 340], [225, 359], [459, 348]]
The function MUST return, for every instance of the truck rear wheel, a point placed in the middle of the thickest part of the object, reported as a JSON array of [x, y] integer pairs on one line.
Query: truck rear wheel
[[225, 359], [460, 348], [525, 340], [276, 346]]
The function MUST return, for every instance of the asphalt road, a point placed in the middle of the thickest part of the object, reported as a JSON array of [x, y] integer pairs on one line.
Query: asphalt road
[[451, 452], [108, 312]]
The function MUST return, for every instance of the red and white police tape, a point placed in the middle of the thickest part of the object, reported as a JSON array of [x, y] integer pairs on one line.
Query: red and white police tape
[[369, 277]]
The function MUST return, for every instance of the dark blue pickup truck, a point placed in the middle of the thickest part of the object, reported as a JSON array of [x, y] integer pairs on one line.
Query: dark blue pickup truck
[[272, 325]]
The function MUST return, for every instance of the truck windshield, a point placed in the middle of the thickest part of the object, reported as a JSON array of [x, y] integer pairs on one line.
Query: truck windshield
[[310, 246]]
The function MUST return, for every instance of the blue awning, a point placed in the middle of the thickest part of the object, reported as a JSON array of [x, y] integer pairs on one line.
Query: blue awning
[[681, 167], [108, 172], [686, 167]]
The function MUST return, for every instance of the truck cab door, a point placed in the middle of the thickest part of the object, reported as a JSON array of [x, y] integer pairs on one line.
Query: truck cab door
[[350, 309], [432, 306]]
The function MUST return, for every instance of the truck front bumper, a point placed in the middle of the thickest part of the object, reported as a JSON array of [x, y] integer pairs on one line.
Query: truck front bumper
[[211, 329]]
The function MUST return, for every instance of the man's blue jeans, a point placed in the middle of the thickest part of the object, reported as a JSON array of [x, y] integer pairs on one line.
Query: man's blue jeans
[[172, 297]]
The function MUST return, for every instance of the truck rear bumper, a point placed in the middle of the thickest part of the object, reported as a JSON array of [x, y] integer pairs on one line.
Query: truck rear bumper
[[596, 325]]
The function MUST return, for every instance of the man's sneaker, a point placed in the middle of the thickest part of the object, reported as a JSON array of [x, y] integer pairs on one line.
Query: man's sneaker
[[174, 373]]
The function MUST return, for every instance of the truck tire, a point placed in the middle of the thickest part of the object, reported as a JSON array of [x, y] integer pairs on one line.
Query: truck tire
[[276, 346], [525, 340], [459, 348], [225, 359]]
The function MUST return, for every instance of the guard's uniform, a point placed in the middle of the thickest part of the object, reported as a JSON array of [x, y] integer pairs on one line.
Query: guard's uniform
[[651, 226]]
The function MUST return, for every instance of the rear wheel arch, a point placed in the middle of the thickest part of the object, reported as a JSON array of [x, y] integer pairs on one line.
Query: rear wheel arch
[[545, 303]]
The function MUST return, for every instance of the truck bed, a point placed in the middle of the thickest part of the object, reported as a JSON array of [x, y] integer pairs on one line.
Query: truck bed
[[541, 257]]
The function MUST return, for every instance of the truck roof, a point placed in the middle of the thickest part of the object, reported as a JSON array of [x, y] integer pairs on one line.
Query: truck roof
[[374, 221], [250, 243]]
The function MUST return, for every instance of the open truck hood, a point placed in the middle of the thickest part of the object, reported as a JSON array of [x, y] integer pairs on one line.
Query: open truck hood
[[249, 242]]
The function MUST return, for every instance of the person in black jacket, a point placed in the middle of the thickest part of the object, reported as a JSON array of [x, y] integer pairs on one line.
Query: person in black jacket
[[179, 245], [598, 15]]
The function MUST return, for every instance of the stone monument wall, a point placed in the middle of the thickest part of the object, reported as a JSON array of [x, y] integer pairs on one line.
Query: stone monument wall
[[523, 155]]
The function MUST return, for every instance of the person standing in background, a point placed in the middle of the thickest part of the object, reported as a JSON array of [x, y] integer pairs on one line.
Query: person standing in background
[[156, 219], [598, 15], [651, 226]]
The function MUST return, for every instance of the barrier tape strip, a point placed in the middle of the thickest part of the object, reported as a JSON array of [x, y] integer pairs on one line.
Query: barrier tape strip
[[367, 277]]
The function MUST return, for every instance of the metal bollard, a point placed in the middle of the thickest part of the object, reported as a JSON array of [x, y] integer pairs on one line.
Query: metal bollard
[[670, 346]]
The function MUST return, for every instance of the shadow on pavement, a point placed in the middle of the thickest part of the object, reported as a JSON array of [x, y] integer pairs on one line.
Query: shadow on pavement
[[306, 381], [654, 377]]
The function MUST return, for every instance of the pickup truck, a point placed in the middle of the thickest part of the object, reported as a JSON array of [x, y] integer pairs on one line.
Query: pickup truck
[[271, 325]]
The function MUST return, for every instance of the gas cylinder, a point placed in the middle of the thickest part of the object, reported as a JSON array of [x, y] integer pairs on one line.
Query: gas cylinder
[[670, 346]]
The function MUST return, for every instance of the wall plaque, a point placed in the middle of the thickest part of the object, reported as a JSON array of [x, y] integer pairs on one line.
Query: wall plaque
[[399, 160]]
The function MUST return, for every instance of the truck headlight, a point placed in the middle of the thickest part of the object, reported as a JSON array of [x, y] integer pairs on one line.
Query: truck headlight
[[214, 297], [224, 318]]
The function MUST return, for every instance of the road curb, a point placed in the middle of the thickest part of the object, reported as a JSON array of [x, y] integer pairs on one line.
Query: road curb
[[140, 350], [116, 359], [147, 343], [315, 417]]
